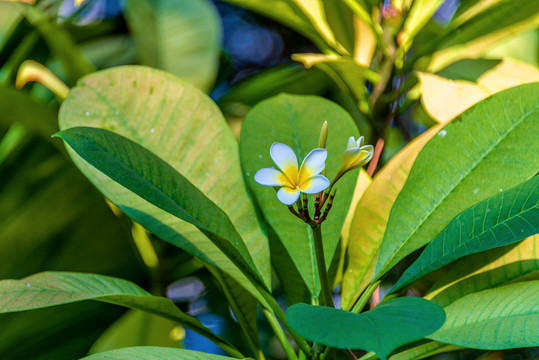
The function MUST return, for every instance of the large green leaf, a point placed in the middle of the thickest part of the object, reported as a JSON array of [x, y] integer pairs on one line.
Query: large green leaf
[[488, 269], [461, 166], [370, 219], [183, 127], [502, 219], [153, 353], [143, 173], [179, 36], [296, 121], [57, 288], [501, 318], [383, 329]]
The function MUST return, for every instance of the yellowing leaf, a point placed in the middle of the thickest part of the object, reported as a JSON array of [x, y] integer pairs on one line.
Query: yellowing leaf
[[365, 42], [371, 215], [444, 99]]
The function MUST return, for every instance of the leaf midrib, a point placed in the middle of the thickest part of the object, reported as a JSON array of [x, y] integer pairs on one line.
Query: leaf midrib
[[517, 123]]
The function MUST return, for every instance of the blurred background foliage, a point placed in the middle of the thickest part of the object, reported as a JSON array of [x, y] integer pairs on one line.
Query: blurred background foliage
[[52, 218]]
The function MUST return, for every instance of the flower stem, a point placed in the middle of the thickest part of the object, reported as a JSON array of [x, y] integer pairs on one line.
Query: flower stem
[[281, 336], [321, 264]]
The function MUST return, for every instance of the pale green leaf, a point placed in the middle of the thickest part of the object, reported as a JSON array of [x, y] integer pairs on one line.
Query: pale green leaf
[[296, 121], [488, 269], [183, 127], [153, 353], [502, 219], [501, 318], [179, 36], [58, 288], [461, 166]]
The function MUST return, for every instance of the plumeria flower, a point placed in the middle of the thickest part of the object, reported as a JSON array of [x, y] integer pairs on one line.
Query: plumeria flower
[[356, 155], [291, 180]]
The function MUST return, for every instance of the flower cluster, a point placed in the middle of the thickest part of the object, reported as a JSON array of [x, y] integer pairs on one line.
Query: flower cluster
[[290, 181]]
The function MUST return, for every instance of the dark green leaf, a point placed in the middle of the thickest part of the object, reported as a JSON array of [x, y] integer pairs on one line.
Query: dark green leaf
[[389, 325], [146, 175], [184, 127], [462, 166], [502, 219]]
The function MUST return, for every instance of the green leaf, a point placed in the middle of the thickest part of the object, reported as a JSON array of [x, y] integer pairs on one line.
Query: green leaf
[[146, 175], [58, 288], [370, 219], [296, 121], [498, 16], [502, 219], [179, 36], [501, 318], [461, 166], [488, 269], [389, 325], [153, 353], [341, 21], [184, 128]]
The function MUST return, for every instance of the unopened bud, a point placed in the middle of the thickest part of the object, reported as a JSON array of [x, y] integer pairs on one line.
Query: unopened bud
[[323, 135]]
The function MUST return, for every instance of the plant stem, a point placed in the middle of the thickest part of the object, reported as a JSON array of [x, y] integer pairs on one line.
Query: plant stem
[[281, 336], [364, 298], [327, 297]]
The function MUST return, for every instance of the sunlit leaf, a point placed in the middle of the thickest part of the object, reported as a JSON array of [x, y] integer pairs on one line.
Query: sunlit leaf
[[370, 219], [183, 127], [444, 99], [488, 269], [461, 166], [153, 353], [389, 325], [501, 318], [296, 121], [502, 219], [57, 288], [179, 36]]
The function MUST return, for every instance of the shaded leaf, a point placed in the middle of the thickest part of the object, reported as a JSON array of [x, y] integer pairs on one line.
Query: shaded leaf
[[137, 328], [179, 36], [296, 121], [153, 353], [147, 176], [370, 218], [466, 155], [488, 269], [502, 219], [166, 115], [389, 325], [501, 318], [57, 288]]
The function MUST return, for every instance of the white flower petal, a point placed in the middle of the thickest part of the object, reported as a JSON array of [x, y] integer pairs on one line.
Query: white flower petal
[[287, 195], [270, 177], [313, 164], [284, 157], [314, 184], [360, 141], [351, 143]]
